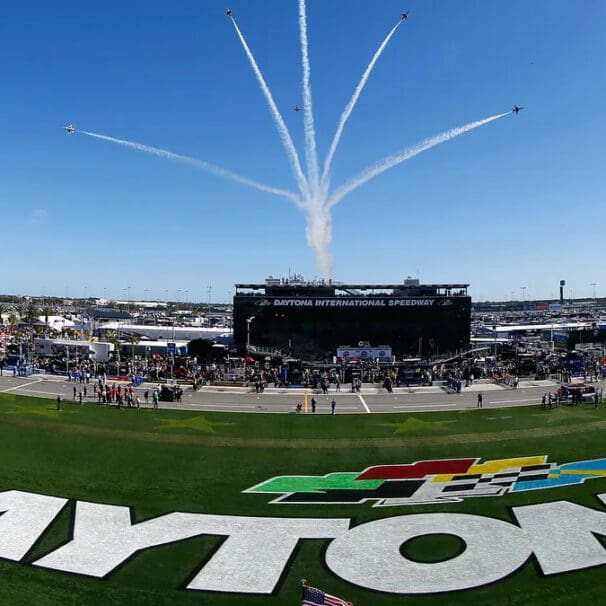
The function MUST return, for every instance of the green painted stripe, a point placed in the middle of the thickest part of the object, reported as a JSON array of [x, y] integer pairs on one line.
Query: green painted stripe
[[347, 481]]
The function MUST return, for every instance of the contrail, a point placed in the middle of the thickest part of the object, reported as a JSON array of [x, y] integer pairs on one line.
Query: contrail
[[319, 236], [207, 166], [352, 102], [382, 165], [311, 153], [280, 125]]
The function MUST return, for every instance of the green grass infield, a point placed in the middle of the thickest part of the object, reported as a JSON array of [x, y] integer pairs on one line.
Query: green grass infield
[[157, 462]]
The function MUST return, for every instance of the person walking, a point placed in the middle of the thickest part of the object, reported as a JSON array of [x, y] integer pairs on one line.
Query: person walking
[[59, 402], [480, 400], [313, 405], [333, 405]]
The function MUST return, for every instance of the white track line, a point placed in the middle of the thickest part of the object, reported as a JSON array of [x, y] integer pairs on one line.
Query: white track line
[[20, 386], [513, 401], [425, 406], [364, 403]]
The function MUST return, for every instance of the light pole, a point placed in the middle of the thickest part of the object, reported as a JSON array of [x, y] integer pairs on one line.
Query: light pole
[[145, 293], [593, 285], [248, 321], [523, 289], [494, 330], [128, 298]]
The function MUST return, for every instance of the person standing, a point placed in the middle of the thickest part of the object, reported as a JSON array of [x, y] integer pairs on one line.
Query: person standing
[[155, 399], [480, 400], [333, 405], [59, 402], [313, 405]]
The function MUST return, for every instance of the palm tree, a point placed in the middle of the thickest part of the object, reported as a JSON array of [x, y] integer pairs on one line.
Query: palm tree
[[111, 336], [31, 313], [46, 311], [133, 339], [12, 321]]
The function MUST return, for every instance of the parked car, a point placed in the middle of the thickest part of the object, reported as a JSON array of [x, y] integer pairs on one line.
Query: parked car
[[575, 392], [167, 393]]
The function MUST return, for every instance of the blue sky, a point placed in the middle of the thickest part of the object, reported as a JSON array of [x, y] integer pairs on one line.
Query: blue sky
[[518, 202]]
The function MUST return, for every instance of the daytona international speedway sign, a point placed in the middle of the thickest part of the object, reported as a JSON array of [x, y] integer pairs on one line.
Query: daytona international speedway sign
[[559, 535]]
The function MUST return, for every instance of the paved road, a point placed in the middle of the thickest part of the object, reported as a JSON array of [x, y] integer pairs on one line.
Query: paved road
[[370, 400]]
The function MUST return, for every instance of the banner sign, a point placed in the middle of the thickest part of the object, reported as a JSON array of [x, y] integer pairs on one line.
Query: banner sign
[[356, 302]]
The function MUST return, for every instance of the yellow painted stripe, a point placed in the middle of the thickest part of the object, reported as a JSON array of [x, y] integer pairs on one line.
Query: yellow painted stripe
[[588, 472], [502, 464], [444, 477]]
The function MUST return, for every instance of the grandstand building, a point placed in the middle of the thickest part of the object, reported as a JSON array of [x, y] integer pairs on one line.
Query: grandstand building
[[310, 320]]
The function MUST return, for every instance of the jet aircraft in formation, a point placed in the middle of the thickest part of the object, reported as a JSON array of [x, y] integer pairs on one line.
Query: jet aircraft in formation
[[516, 109], [404, 16], [297, 109], [69, 129], [228, 12]]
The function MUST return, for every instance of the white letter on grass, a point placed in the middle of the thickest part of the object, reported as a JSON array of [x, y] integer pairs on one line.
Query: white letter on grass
[[24, 517], [369, 554], [254, 556], [250, 561], [562, 535]]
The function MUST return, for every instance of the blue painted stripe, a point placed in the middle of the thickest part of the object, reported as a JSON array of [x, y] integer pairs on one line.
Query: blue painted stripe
[[593, 465], [566, 480]]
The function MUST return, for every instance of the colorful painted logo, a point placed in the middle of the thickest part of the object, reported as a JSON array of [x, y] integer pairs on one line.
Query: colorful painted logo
[[427, 482]]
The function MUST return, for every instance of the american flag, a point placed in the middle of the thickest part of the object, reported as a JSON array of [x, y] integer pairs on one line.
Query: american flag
[[315, 597]]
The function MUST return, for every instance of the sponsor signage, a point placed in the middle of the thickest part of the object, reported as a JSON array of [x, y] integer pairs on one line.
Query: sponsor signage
[[383, 354]]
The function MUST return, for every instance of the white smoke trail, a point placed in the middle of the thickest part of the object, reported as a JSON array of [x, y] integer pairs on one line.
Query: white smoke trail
[[352, 102], [319, 236], [382, 165], [207, 166], [280, 125], [311, 153]]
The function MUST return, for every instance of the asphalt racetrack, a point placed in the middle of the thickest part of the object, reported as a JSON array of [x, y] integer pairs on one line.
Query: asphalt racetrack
[[281, 400]]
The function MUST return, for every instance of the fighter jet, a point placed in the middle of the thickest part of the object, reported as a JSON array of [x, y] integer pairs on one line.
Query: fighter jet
[[404, 16], [69, 129], [515, 109], [297, 109], [228, 12]]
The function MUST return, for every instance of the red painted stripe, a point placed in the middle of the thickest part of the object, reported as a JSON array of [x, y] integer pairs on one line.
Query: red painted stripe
[[417, 470]]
